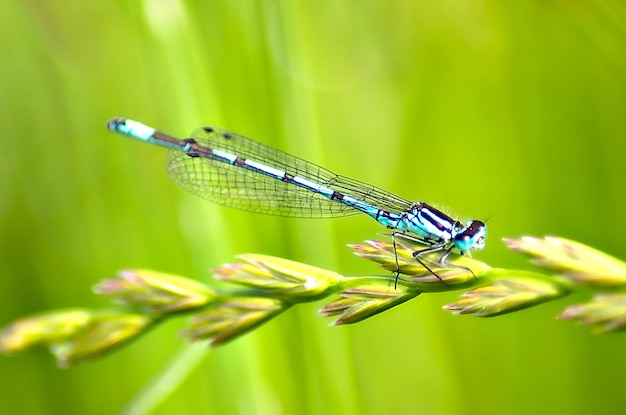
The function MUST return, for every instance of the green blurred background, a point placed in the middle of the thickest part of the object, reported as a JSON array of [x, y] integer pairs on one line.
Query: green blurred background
[[509, 110]]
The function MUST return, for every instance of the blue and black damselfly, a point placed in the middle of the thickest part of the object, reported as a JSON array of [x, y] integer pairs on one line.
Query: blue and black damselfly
[[235, 171]]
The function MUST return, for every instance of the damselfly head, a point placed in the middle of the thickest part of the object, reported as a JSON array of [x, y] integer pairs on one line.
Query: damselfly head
[[472, 237], [113, 125]]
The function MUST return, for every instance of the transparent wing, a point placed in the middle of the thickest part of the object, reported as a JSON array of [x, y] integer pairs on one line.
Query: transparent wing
[[240, 188]]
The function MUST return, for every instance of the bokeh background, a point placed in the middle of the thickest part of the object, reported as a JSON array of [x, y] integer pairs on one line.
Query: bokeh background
[[508, 110]]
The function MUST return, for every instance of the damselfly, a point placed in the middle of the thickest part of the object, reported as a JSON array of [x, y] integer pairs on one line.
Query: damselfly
[[235, 171]]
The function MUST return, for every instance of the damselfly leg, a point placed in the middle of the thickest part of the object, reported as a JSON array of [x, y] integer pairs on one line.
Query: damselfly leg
[[445, 248]]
